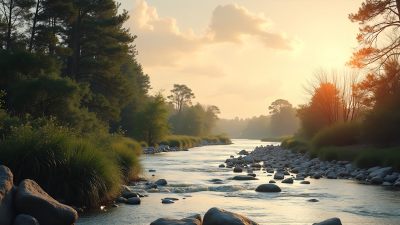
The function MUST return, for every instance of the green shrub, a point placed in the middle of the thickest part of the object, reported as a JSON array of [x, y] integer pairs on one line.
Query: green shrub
[[340, 134], [296, 144], [68, 167]]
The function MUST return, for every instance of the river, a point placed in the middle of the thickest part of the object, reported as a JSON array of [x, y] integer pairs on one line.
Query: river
[[189, 174]]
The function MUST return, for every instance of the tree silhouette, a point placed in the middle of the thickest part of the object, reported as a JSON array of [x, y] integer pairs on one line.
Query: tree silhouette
[[181, 95]]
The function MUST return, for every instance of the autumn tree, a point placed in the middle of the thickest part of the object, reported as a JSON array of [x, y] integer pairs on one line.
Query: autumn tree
[[379, 40], [181, 96]]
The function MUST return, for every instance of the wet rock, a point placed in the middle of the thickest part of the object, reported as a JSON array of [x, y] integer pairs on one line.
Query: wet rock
[[121, 200], [216, 216], [237, 170], [272, 182], [173, 199], [221, 166], [313, 200], [167, 201], [390, 178], [382, 172], [288, 181], [161, 182], [331, 175], [279, 176], [305, 182], [387, 184], [377, 180], [332, 221], [317, 176], [252, 174], [152, 171], [23, 219], [192, 220], [31, 199], [133, 201], [6, 196], [244, 177], [268, 188]]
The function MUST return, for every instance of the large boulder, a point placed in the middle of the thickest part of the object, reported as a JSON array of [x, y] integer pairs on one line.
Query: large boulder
[[23, 219], [216, 216], [268, 188], [31, 199], [332, 221], [192, 220], [6, 196]]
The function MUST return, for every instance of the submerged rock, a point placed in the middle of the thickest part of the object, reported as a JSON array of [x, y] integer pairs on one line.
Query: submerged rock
[[268, 188], [31, 199], [6, 196], [192, 220], [332, 221], [167, 201], [244, 177], [216, 216], [305, 182], [161, 182]]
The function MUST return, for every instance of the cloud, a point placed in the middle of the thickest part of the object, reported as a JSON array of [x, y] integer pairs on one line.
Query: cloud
[[230, 23], [161, 42]]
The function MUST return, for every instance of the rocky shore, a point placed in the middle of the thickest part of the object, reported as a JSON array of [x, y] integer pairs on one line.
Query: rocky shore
[[29, 204]]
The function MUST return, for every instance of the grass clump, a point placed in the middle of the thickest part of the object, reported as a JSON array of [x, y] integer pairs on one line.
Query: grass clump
[[184, 141], [276, 139], [340, 134], [76, 170], [295, 144]]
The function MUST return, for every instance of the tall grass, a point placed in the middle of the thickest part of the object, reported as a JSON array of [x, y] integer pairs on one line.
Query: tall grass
[[296, 144], [340, 134], [81, 171], [184, 141]]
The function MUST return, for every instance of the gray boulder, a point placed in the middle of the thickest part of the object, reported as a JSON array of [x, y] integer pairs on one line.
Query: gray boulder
[[377, 180], [268, 188], [332, 221], [216, 216], [23, 219], [382, 172], [288, 181], [6, 196], [390, 178], [279, 176], [161, 182], [192, 220], [31, 199], [237, 170], [244, 177], [133, 201]]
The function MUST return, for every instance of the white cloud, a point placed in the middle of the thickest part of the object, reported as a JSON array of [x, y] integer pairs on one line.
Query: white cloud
[[162, 43]]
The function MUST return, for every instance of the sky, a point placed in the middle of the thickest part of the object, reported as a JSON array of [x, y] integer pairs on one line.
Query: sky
[[241, 55]]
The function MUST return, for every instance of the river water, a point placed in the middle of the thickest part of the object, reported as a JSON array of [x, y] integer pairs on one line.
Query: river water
[[189, 174]]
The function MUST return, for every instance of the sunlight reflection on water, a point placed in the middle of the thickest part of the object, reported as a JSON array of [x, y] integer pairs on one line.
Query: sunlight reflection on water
[[189, 174]]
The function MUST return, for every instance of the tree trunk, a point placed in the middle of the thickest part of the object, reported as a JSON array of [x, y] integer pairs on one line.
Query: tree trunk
[[75, 46], [9, 25], [34, 26]]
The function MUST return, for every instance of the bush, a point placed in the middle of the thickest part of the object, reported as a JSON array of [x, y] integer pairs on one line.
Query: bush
[[296, 144], [340, 134], [74, 170]]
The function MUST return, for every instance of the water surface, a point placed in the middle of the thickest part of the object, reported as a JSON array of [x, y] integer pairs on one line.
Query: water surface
[[189, 175]]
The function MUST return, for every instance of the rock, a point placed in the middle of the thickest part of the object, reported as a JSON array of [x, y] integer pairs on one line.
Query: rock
[[243, 152], [397, 183], [31, 199], [316, 176], [376, 180], [382, 172], [216, 216], [173, 199], [268, 188], [288, 181], [129, 194], [279, 176], [244, 177], [152, 171], [167, 201], [121, 200], [387, 184], [313, 200], [6, 196], [192, 220], [331, 175], [390, 178], [133, 201], [332, 221], [23, 219], [221, 166], [237, 170], [252, 174], [161, 182], [272, 182], [305, 182]]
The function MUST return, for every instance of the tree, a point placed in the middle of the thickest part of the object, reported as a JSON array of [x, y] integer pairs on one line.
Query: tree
[[181, 96], [283, 118], [378, 19]]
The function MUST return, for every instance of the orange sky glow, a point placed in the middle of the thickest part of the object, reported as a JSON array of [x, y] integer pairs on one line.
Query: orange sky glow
[[241, 55]]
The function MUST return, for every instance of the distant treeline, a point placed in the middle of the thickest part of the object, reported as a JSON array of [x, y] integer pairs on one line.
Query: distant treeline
[[281, 121]]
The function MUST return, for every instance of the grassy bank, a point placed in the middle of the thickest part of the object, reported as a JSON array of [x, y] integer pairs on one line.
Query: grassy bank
[[275, 139], [78, 170], [184, 141], [342, 142]]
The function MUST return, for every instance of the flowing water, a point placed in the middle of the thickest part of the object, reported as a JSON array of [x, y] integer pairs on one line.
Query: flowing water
[[189, 176]]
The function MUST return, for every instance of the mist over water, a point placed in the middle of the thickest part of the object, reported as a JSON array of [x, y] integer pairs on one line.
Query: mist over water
[[190, 178]]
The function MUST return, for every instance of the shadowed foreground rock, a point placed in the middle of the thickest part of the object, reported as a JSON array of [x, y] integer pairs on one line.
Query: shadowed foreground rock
[[332, 221], [216, 216], [192, 220], [31, 199], [6, 194], [23, 219]]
